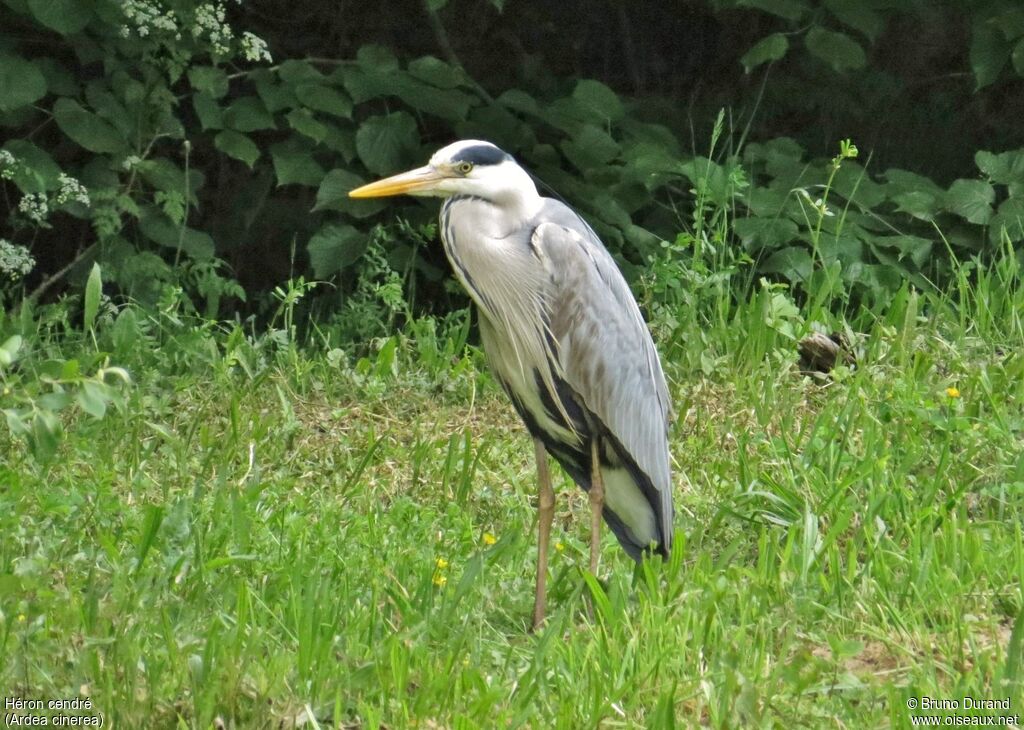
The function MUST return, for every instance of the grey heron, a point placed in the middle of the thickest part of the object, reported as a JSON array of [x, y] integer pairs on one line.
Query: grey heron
[[564, 337]]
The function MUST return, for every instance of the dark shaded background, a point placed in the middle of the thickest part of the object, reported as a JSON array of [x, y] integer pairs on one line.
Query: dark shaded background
[[913, 107]]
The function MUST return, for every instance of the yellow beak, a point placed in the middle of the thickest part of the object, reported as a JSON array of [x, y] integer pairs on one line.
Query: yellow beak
[[419, 180]]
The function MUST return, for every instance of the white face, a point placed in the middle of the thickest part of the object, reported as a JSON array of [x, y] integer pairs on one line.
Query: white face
[[467, 167], [475, 167]]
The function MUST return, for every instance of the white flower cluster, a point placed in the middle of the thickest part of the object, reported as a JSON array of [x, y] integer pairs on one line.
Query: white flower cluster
[[209, 22], [34, 206], [71, 189], [144, 17], [254, 48], [7, 163], [15, 261]]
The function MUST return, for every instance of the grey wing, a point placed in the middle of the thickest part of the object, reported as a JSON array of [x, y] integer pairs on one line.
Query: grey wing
[[606, 353]]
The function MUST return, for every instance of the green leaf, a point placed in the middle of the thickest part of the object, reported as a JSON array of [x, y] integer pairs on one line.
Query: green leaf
[[598, 101], [793, 262], [518, 100], [87, 129], [773, 201], [1009, 18], [248, 114], [915, 248], [63, 16], [783, 158], [324, 98], [387, 143], [845, 247], [989, 53], [93, 398], [45, 434], [211, 116], [9, 350], [70, 370], [858, 15], [237, 145], [376, 58], [770, 48], [333, 195], [93, 289], [917, 203], [881, 279], [1005, 168], [209, 79], [765, 233], [436, 72], [497, 124], [342, 141], [709, 178], [971, 200], [59, 78], [294, 164], [590, 147], [838, 50], [1010, 218], [110, 109], [37, 172], [902, 181], [157, 227], [450, 104], [165, 175], [303, 122], [21, 83], [276, 97], [150, 528], [1018, 57], [296, 72], [853, 183], [789, 9], [335, 247], [18, 423], [664, 715]]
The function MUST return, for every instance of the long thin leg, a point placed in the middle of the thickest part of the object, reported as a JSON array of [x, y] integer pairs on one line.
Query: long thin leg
[[596, 504], [545, 515]]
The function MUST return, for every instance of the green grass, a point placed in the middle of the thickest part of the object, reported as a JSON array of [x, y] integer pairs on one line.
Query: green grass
[[255, 539]]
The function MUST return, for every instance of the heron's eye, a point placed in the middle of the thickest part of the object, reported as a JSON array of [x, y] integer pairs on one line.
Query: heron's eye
[[465, 167]]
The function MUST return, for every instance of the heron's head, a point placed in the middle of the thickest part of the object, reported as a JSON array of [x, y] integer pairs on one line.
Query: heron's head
[[467, 167]]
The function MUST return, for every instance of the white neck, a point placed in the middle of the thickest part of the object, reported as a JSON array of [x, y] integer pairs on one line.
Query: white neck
[[517, 194]]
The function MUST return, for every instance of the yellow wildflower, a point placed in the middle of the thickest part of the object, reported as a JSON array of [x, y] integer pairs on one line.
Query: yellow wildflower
[[21, 618], [489, 539], [559, 546], [441, 563], [440, 580], [952, 392]]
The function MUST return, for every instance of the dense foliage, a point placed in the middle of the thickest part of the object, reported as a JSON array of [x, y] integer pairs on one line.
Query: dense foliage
[[160, 139], [253, 474]]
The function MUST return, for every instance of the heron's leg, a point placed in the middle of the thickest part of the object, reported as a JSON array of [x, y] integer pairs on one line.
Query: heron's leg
[[545, 514], [596, 503]]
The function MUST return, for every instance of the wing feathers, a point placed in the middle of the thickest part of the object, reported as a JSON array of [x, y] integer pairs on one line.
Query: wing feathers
[[606, 355]]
